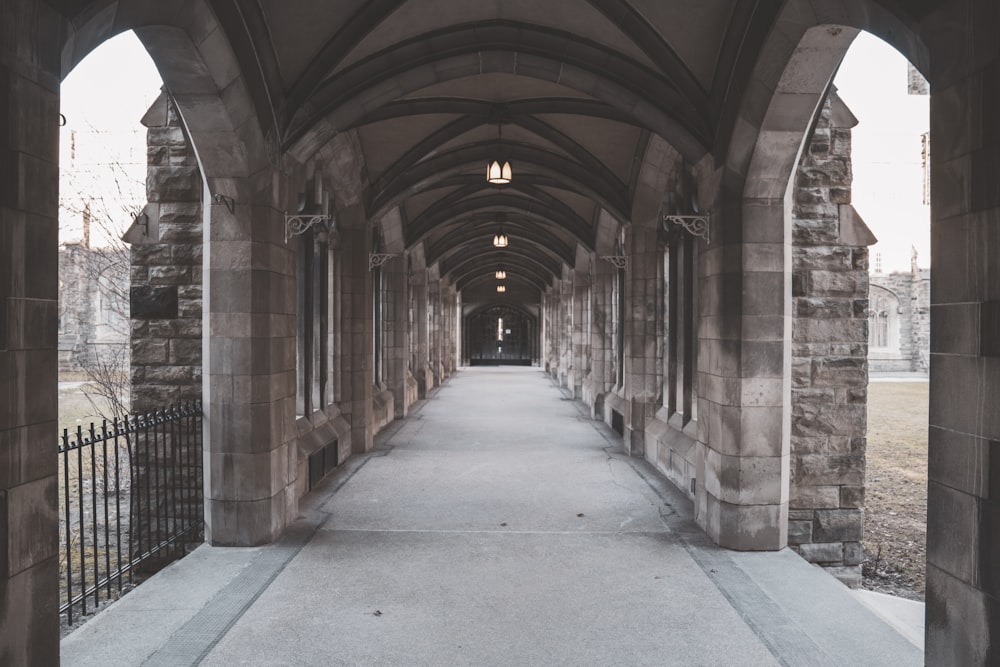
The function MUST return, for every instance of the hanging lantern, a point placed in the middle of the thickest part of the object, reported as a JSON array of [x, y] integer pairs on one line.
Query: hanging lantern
[[501, 289], [498, 174], [500, 240], [501, 274]]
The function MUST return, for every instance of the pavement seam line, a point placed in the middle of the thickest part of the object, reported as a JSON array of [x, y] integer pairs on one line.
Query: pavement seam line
[[784, 638], [194, 640]]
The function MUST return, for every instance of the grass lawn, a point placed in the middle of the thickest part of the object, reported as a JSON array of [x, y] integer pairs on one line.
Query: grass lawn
[[896, 496]]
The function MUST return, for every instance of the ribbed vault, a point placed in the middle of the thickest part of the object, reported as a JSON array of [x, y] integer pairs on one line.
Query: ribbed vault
[[570, 91]]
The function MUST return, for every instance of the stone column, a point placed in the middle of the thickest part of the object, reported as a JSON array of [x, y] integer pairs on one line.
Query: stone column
[[581, 355], [358, 329], [451, 350], [744, 344], [550, 341], [397, 343], [166, 256], [566, 369], [434, 334], [424, 374], [249, 393], [829, 354], [29, 282], [602, 367], [963, 504], [642, 362]]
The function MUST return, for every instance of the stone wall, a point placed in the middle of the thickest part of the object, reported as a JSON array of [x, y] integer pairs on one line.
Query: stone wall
[[909, 338], [166, 290], [93, 306], [829, 353], [166, 317]]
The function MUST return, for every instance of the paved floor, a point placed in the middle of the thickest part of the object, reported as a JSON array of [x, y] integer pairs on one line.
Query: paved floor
[[495, 526]]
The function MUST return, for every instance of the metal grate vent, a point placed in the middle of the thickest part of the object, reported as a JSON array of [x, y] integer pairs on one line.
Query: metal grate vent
[[618, 423], [322, 462]]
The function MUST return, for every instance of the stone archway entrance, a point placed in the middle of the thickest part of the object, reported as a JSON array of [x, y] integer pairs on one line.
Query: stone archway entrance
[[501, 336]]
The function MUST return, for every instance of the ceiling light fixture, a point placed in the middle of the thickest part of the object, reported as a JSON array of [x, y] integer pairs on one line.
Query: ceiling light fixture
[[498, 173], [501, 274], [501, 289], [500, 240]]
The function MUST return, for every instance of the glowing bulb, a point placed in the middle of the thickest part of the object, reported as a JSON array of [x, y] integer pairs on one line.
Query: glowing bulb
[[498, 174]]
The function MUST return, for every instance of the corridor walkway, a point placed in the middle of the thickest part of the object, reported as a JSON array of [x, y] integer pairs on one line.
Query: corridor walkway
[[497, 525]]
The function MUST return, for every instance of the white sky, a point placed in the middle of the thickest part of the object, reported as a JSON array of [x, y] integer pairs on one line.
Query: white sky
[[888, 175], [104, 98]]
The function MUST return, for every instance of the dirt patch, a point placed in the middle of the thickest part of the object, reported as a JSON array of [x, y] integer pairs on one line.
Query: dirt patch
[[896, 497]]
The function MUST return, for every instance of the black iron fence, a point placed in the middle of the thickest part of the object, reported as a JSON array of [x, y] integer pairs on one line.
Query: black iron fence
[[131, 501]]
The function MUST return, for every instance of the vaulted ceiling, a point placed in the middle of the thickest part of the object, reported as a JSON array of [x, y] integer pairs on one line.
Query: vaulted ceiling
[[572, 92]]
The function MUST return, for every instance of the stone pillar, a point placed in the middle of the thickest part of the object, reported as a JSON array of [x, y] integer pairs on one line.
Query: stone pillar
[[566, 331], [358, 329], [550, 343], [451, 338], [829, 354], [581, 354], [434, 334], [423, 371], [29, 281], [166, 248], [645, 310], [744, 346], [963, 504], [396, 341], [249, 394], [602, 377]]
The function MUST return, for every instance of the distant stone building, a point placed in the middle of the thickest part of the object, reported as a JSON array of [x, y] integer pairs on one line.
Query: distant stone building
[[93, 306], [899, 302], [899, 321]]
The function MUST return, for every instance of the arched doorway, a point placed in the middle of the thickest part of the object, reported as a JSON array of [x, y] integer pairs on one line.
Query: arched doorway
[[501, 335]]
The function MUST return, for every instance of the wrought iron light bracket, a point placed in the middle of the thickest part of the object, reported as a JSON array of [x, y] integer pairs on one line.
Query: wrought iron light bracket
[[695, 225], [619, 261], [377, 259], [299, 224], [228, 202]]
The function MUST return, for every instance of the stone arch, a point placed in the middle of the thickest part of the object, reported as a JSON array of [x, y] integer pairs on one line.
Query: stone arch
[[750, 345], [239, 165], [517, 348]]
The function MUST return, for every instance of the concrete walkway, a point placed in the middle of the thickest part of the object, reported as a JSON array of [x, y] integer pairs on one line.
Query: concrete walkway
[[495, 526]]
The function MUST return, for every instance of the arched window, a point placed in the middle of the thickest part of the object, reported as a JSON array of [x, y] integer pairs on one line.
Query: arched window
[[680, 304], [883, 320]]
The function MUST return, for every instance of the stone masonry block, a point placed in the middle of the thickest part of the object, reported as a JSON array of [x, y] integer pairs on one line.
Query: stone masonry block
[[149, 351], [824, 307], [169, 275], [840, 372], [819, 420], [167, 184], [819, 470], [852, 497], [800, 532], [33, 504], [854, 554], [185, 351], [165, 136], [814, 497], [838, 525], [838, 283], [849, 575], [824, 552]]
